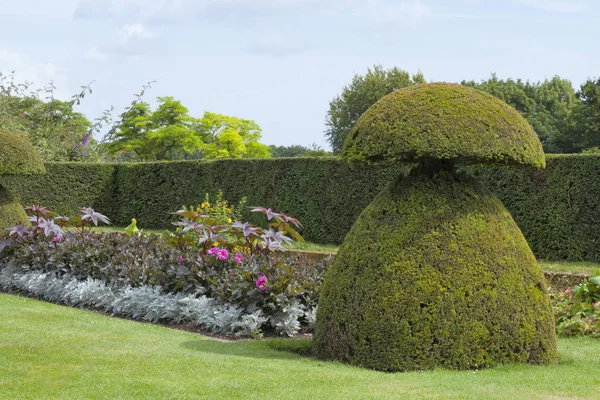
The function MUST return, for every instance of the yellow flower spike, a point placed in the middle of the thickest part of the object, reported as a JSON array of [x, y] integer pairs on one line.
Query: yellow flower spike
[[216, 244], [228, 219]]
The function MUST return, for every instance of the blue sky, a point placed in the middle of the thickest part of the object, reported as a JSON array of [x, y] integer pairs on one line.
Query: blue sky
[[280, 62]]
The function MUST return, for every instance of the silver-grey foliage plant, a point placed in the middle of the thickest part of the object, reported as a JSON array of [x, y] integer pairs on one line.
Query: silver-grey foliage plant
[[148, 303]]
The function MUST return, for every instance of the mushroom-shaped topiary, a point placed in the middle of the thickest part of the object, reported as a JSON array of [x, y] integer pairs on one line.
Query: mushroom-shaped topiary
[[435, 272], [17, 157]]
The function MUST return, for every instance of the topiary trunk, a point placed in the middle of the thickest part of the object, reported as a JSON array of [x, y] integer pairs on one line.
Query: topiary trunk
[[435, 273], [11, 211]]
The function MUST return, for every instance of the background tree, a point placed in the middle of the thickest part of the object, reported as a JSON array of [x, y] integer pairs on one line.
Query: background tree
[[548, 106], [356, 98], [296, 150], [52, 126], [163, 134], [586, 117], [230, 137], [170, 133]]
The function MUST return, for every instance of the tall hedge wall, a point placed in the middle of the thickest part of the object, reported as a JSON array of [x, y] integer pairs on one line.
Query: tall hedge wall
[[558, 209], [324, 194]]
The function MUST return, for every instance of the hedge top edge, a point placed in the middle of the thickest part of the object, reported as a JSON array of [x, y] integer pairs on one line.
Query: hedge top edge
[[17, 156], [443, 121]]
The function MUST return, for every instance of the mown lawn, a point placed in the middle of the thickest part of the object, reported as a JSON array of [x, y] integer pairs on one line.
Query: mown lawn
[[50, 351]]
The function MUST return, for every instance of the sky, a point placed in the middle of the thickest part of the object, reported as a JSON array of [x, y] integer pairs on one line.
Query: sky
[[280, 62]]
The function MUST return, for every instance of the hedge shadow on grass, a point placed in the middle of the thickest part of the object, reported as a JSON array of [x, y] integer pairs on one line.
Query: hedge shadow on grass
[[239, 349]]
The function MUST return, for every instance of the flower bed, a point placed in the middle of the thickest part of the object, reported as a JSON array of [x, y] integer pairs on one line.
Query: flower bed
[[201, 274], [232, 270]]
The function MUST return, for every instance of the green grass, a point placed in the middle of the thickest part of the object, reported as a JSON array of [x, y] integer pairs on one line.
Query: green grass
[[578, 267], [50, 351], [308, 246], [112, 228]]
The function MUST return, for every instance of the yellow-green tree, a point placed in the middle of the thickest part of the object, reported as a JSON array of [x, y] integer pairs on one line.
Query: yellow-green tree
[[170, 133], [230, 137]]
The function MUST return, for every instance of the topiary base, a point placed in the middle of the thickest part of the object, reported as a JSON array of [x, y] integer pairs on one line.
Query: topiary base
[[435, 273], [11, 211]]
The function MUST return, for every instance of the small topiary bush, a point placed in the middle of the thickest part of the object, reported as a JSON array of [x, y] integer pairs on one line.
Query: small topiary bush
[[17, 157], [11, 211]]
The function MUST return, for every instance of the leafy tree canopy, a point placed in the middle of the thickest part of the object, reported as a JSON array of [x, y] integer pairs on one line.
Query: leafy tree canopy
[[170, 133], [356, 98], [52, 126], [163, 134], [296, 150], [565, 120], [586, 117], [548, 106], [230, 137]]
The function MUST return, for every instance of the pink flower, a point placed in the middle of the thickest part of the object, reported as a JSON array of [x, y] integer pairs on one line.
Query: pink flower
[[56, 239], [180, 259], [223, 254], [214, 251], [238, 257], [261, 283]]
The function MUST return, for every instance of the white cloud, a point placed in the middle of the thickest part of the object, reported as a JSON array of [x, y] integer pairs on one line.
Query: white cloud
[[38, 73], [135, 31], [93, 54], [116, 9], [406, 12], [181, 10], [131, 40], [276, 45], [558, 6]]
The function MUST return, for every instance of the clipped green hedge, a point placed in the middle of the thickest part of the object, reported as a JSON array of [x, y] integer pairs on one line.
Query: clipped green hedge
[[66, 187], [558, 209], [325, 194]]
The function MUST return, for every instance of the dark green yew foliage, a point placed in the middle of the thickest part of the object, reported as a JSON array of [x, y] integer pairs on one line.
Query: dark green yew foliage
[[435, 272]]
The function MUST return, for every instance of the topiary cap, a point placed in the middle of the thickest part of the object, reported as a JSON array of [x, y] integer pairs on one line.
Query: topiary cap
[[17, 156], [443, 121]]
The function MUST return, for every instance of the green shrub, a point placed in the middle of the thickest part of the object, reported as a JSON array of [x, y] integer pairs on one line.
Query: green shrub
[[17, 156], [434, 273], [11, 211], [577, 309]]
